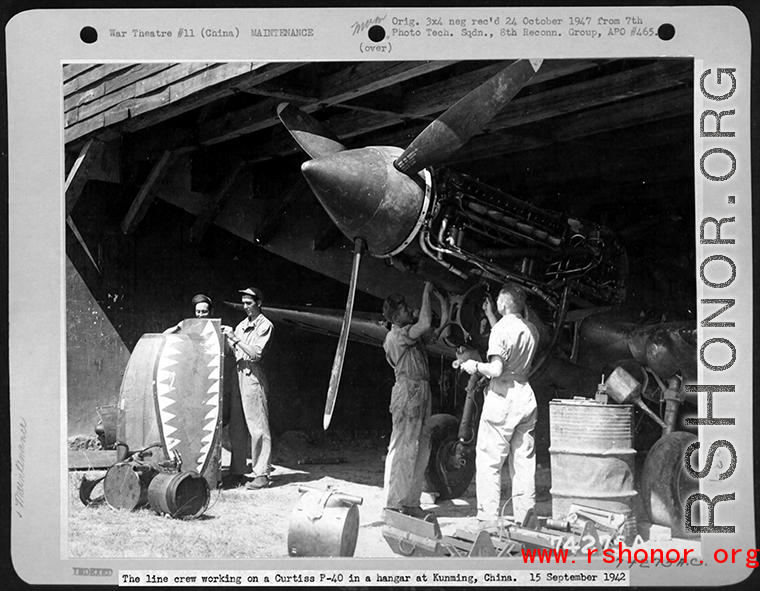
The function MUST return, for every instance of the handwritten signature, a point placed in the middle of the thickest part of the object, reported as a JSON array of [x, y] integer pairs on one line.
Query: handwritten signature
[[20, 466], [359, 27]]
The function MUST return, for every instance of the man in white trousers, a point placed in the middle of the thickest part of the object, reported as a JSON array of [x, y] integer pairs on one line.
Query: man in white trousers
[[509, 409]]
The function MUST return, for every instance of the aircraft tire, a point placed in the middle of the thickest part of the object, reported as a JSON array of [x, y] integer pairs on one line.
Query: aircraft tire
[[442, 475], [665, 485]]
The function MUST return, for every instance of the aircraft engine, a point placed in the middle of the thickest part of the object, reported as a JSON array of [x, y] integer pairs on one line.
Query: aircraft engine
[[482, 233]]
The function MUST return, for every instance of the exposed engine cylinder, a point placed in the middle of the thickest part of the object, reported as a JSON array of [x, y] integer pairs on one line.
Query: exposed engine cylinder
[[479, 231]]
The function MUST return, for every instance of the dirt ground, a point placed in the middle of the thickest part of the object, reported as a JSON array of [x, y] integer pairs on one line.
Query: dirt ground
[[362, 475], [240, 523]]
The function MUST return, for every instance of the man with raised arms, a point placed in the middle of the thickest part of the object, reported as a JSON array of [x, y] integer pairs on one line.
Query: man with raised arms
[[509, 409], [409, 447]]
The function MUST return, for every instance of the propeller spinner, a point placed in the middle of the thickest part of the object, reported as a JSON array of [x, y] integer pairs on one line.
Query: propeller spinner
[[378, 196]]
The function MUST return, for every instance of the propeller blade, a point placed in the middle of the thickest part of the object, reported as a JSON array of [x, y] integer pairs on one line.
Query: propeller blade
[[465, 118], [314, 138], [337, 368]]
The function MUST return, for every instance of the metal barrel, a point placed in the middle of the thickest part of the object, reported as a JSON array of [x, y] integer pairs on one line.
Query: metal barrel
[[125, 485], [592, 457], [324, 523], [179, 494]]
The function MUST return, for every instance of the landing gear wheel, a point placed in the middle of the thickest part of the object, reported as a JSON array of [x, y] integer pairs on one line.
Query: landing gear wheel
[[665, 485], [448, 473]]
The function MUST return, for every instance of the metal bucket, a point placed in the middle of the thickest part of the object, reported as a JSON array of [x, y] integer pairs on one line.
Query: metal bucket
[[179, 494], [324, 523], [592, 457], [126, 485]]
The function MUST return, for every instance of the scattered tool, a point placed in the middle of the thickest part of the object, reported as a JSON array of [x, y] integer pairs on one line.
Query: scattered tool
[[409, 536], [607, 522]]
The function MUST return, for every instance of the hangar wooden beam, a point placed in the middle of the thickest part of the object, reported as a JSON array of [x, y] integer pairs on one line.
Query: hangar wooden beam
[[217, 202], [429, 101], [147, 193], [80, 172], [161, 95], [351, 82], [355, 80], [607, 91], [80, 239], [657, 107], [283, 91], [362, 78], [422, 104], [634, 83], [388, 102]]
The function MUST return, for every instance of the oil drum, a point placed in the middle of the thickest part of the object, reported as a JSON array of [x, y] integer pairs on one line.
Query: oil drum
[[324, 523], [592, 457], [126, 485], [179, 494]]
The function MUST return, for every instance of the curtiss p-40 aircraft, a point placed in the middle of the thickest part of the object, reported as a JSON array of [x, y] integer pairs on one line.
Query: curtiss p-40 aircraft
[[549, 174], [468, 238]]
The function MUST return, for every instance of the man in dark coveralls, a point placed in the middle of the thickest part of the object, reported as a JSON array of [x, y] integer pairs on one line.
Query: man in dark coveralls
[[409, 447]]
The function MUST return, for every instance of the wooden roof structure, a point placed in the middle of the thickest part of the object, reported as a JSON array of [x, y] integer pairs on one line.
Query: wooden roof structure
[[607, 139]]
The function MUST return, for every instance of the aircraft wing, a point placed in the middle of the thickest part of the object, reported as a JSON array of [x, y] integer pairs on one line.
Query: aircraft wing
[[366, 327]]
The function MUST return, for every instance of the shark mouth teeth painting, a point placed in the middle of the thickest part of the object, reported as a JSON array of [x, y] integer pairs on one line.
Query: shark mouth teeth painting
[[188, 386], [171, 396]]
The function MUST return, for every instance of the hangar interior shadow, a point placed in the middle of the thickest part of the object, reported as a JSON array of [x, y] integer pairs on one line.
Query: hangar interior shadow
[[635, 177], [143, 283]]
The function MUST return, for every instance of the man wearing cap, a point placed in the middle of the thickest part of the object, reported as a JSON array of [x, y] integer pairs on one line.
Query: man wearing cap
[[409, 447], [509, 409], [249, 412], [202, 306]]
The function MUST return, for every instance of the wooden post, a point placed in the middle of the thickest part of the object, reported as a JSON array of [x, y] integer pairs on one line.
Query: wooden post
[[145, 197], [80, 172], [70, 223], [217, 203]]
